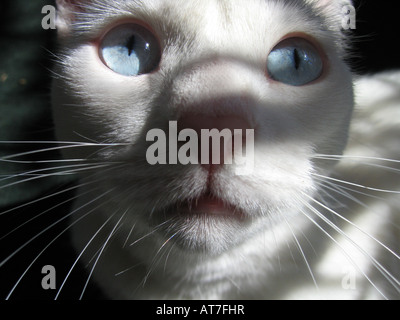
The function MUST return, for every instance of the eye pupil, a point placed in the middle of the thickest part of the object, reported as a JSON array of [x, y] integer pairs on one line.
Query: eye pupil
[[130, 45], [296, 59]]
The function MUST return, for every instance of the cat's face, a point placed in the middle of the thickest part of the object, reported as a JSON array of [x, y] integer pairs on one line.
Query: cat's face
[[272, 66]]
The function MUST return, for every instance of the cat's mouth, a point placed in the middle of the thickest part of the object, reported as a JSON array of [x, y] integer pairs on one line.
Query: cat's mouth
[[212, 206], [206, 224], [207, 205]]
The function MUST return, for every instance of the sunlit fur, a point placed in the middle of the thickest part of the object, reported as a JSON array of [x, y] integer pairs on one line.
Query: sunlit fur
[[318, 224]]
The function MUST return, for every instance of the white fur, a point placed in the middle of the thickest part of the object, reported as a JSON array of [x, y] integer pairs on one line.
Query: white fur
[[212, 50]]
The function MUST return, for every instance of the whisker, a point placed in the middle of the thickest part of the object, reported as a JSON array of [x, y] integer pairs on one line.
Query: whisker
[[94, 256], [54, 174], [72, 143], [379, 266], [355, 184], [302, 254], [39, 172], [99, 255], [52, 208], [341, 191], [126, 270], [151, 232], [51, 226], [167, 257], [28, 153], [369, 164], [37, 200], [154, 260], [42, 161], [60, 145], [129, 235], [50, 243], [348, 157], [350, 259], [80, 255], [353, 225]]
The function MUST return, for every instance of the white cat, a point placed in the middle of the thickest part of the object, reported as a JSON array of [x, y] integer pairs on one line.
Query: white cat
[[300, 226]]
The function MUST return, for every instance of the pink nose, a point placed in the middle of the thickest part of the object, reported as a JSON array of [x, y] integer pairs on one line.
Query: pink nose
[[210, 140]]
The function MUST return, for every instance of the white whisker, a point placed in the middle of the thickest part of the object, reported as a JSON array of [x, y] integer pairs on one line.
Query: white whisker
[[339, 189], [50, 243], [150, 233], [60, 145], [382, 270], [167, 257], [51, 226], [356, 185], [350, 259], [354, 225], [348, 157], [52, 208], [42, 161], [39, 172], [99, 255], [154, 261], [129, 235], [80, 255], [302, 254], [54, 174]]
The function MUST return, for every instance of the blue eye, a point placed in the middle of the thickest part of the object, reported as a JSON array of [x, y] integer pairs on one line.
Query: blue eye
[[130, 50], [295, 62]]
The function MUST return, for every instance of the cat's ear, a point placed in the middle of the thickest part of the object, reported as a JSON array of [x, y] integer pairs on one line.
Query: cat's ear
[[66, 13]]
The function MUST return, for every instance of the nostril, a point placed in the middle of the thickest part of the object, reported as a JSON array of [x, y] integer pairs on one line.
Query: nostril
[[217, 137]]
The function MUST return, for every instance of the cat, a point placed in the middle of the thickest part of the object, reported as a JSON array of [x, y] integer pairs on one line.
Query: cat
[[316, 218]]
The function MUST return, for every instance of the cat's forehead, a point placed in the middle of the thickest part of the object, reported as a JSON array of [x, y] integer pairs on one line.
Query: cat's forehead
[[214, 19]]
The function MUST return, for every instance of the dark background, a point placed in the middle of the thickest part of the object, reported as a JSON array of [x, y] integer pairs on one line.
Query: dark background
[[25, 61], [376, 38]]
